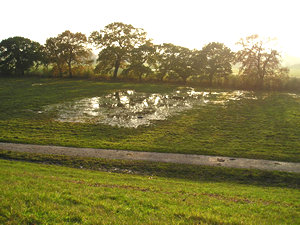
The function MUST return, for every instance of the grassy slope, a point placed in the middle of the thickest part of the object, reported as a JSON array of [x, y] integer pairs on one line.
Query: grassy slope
[[41, 194], [267, 128]]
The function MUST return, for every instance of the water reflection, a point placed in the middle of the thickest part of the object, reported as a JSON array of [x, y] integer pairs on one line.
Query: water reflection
[[132, 109], [293, 95], [36, 84]]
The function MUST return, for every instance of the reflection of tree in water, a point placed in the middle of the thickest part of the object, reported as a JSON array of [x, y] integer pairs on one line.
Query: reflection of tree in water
[[117, 97], [133, 109]]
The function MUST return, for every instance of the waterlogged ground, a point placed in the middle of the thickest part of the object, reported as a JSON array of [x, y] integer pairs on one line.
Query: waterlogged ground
[[128, 108], [261, 125]]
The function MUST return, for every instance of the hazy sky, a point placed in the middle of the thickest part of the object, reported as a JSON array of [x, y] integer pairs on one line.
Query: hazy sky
[[190, 23]]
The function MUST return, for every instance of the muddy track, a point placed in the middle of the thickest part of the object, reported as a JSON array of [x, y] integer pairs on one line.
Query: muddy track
[[156, 157]]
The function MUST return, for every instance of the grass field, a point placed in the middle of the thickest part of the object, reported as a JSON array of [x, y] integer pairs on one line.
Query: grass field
[[47, 194], [101, 191], [267, 128]]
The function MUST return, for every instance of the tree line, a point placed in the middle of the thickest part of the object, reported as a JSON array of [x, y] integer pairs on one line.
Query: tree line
[[127, 53]]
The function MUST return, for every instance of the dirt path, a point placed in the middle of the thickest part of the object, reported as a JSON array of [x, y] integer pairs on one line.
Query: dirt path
[[157, 157]]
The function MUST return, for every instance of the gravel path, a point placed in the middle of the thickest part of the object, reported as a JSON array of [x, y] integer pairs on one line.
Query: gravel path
[[157, 157]]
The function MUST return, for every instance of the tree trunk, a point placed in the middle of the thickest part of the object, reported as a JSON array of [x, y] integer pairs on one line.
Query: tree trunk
[[161, 77], [59, 69], [19, 71], [117, 65], [70, 69], [211, 76], [260, 83]]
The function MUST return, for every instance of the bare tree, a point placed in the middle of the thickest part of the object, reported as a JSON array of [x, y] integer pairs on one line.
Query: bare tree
[[259, 62]]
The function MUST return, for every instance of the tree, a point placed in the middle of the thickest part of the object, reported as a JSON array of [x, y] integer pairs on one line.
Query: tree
[[54, 53], [140, 61], [116, 41], [259, 62], [106, 60], [18, 54], [218, 59], [68, 49], [74, 48], [175, 61]]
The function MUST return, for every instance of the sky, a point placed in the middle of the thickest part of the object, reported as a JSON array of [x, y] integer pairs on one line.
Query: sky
[[189, 23]]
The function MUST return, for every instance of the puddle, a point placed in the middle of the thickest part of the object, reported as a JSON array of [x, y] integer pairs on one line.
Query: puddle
[[128, 108], [293, 95]]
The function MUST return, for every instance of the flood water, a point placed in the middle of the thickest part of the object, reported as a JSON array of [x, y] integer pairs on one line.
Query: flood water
[[128, 108]]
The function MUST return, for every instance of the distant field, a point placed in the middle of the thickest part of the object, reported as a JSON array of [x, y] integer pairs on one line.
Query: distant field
[[43, 194], [266, 127], [295, 73]]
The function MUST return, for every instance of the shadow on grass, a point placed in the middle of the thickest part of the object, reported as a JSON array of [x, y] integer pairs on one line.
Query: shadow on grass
[[170, 170]]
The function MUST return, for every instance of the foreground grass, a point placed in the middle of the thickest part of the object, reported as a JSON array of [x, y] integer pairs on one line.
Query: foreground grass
[[47, 194], [267, 128]]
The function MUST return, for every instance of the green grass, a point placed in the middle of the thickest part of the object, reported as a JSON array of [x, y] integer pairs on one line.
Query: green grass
[[48, 194], [137, 192], [268, 128]]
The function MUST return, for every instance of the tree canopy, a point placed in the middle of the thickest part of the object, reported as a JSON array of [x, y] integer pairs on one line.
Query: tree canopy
[[18, 54], [176, 61], [68, 49], [141, 61], [117, 41], [259, 62], [126, 48], [218, 60]]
